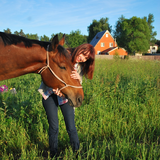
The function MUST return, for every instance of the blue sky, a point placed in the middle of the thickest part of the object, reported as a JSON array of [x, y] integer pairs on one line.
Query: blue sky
[[46, 17]]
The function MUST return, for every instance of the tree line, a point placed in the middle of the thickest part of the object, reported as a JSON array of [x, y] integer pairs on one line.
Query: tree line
[[134, 34]]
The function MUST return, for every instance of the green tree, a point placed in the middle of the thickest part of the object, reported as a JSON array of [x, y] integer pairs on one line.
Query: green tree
[[75, 38], [44, 38], [158, 42], [7, 31], [32, 36], [158, 51], [134, 35], [98, 26], [16, 33], [119, 33], [21, 33], [150, 20]]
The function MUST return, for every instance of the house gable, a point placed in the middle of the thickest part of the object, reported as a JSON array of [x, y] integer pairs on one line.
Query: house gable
[[97, 38]]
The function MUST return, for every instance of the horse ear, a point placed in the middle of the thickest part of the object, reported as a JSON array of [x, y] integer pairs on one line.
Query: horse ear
[[55, 42], [62, 41]]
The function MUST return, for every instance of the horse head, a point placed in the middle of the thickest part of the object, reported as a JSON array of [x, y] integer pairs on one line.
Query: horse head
[[59, 69]]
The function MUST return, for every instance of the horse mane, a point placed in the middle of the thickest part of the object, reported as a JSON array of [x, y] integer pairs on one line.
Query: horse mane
[[63, 51], [9, 39]]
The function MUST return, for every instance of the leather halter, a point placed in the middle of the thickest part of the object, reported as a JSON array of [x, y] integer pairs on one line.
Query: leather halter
[[47, 66]]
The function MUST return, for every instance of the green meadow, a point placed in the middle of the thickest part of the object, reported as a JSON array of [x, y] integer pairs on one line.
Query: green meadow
[[118, 120]]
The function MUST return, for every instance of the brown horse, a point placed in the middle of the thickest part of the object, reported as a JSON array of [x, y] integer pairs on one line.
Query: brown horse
[[19, 56]]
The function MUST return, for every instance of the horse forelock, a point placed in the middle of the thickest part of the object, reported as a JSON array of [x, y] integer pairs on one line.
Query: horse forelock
[[9, 39], [63, 52]]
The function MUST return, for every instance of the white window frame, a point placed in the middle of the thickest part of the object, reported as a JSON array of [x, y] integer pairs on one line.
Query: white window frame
[[111, 44], [98, 52], [102, 44], [107, 35]]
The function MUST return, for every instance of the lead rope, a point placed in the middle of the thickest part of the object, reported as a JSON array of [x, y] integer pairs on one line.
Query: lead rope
[[47, 66]]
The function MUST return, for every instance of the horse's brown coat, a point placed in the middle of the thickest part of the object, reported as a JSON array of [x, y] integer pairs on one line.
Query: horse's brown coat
[[19, 56]]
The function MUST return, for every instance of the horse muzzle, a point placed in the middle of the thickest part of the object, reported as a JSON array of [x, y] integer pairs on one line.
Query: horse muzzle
[[77, 102]]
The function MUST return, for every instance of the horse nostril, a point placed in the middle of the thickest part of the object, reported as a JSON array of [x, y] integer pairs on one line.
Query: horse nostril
[[79, 100]]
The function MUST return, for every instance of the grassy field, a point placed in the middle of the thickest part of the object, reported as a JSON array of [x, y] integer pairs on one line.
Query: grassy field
[[119, 118]]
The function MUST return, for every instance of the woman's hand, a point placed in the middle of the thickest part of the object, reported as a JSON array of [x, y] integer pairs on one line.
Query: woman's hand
[[57, 92], [75, 75]]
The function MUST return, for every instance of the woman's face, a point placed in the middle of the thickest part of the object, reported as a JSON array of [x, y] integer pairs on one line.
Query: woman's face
[[82, 58]]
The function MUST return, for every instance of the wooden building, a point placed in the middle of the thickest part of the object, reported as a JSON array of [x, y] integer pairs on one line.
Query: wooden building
[[104, 43]]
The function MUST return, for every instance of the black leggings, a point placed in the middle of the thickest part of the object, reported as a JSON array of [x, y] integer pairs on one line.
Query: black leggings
[[51, 108]]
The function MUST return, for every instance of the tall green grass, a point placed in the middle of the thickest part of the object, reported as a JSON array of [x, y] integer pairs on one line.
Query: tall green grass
[[118, 120]]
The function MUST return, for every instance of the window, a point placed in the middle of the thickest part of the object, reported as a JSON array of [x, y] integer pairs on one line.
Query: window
[[106, 35], [102, 44], [98, 52], [110, 44]]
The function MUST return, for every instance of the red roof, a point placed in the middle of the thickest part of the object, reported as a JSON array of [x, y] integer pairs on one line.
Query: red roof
[[107, 50]]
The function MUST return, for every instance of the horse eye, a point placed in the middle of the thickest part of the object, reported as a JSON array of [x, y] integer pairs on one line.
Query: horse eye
[[62, 67]]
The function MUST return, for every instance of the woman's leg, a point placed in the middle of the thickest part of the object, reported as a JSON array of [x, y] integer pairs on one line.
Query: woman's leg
[[51, 108], [68, 114]]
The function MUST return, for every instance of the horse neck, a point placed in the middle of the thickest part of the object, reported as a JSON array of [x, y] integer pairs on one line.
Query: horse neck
[[37, 59], [17, 60]]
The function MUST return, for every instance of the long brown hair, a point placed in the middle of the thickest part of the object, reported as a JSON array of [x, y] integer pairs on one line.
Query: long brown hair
[[88, 66]]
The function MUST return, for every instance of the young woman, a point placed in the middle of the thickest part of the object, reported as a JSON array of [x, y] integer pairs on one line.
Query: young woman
[[83, 58]]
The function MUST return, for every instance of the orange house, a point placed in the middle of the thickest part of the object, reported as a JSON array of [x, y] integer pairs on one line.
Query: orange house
[[104, 43]]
